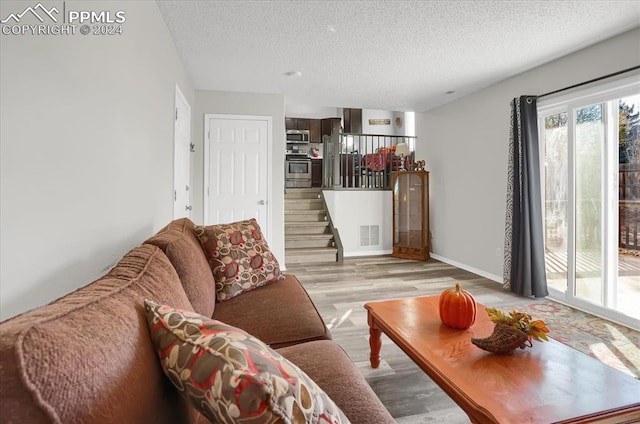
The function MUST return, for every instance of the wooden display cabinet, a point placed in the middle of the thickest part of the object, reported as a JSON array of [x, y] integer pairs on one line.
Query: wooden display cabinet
[[410, 214]]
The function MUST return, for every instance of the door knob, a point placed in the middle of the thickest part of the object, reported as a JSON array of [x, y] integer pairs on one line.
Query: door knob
[[261, 202], [189, 207]]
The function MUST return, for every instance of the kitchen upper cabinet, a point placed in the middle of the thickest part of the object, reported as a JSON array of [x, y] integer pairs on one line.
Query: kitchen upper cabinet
[[330, 125], [311, 125], [352, 120], [314, 131], [303, 124]]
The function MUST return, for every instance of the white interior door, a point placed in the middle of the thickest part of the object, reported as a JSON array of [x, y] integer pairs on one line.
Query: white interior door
[[237, 169], [181, 167]]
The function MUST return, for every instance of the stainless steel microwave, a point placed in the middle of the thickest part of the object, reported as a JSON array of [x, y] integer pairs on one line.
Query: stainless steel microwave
[[297, 136]]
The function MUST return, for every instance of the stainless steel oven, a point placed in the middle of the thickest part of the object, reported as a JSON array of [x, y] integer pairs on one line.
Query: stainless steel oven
[[297, 172]]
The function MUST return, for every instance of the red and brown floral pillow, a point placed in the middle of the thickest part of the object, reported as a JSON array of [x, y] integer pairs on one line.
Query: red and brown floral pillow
[[230, 376], [239, 257]]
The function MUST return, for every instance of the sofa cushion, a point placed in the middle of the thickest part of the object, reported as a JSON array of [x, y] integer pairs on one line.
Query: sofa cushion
[[239, 257], [179, 242], [88, 357], [328, 365], [280, 314], [231, 376]]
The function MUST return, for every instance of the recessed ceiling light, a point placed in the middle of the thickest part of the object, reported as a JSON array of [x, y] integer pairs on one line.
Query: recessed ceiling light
[[293, 74], [450, 92], [331, 28]]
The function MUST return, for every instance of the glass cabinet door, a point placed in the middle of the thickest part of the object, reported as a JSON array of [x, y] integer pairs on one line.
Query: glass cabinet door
[[410, 214]]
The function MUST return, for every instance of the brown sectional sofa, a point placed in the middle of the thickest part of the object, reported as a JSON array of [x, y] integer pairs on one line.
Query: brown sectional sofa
[[88, 358]]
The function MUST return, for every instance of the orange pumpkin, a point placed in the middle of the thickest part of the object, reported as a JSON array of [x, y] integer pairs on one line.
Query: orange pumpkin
[[457, 308]]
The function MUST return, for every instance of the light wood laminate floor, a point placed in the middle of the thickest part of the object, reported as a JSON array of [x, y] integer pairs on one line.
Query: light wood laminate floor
[[340, 290]]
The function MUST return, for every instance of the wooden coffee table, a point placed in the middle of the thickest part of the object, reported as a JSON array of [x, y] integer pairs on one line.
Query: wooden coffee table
[[548, 383]]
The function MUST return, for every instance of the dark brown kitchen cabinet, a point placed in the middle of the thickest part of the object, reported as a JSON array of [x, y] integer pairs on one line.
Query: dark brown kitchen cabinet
[[314, 131], [330, 125], [352, 120], [316, 172], [311, 125], [303, 124]]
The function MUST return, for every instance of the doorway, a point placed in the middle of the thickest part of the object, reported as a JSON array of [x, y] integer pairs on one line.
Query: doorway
[[181, 162], [591, 191], [237, 169]]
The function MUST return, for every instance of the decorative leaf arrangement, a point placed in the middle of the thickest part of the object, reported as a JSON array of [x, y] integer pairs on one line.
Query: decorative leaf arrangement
[[512, 331], [536, 330]]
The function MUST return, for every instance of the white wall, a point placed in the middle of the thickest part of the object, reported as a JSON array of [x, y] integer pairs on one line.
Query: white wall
[[242, 104], [312, 112], [349, 209], [86, 150], [390, 129], [409, 124], [465, 146]]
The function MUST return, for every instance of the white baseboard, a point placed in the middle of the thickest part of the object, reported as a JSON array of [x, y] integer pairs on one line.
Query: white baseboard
[[493, 277], [460, 265]]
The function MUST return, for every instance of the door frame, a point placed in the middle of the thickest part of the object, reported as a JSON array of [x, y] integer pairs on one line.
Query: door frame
[[269, 176], [180, 95]]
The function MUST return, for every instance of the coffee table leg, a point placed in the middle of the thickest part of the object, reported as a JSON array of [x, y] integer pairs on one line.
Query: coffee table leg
[[375, 343]]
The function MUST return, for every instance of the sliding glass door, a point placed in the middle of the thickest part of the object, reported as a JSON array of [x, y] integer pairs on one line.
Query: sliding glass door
[[591, 247], [591, 192]]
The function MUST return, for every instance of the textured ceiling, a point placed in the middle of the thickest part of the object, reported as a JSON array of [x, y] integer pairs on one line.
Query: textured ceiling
[[389, 55]]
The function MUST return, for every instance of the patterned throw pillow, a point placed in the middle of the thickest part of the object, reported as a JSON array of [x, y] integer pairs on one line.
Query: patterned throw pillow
[[230, 376], [239, 257]]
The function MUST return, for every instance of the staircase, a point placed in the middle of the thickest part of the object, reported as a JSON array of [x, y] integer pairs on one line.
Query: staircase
[[307, 232]]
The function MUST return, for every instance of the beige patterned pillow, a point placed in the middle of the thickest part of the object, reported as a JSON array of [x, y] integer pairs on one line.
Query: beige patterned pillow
[[239, 257], [230, 376]]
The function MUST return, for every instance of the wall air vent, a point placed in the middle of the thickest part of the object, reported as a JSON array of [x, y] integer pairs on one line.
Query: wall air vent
[[369, 235]]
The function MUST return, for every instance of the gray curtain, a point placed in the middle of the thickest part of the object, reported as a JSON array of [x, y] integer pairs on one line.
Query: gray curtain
[[524, 271]]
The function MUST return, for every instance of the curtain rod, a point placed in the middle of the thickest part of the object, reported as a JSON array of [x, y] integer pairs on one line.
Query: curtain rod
[[588, 82]]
